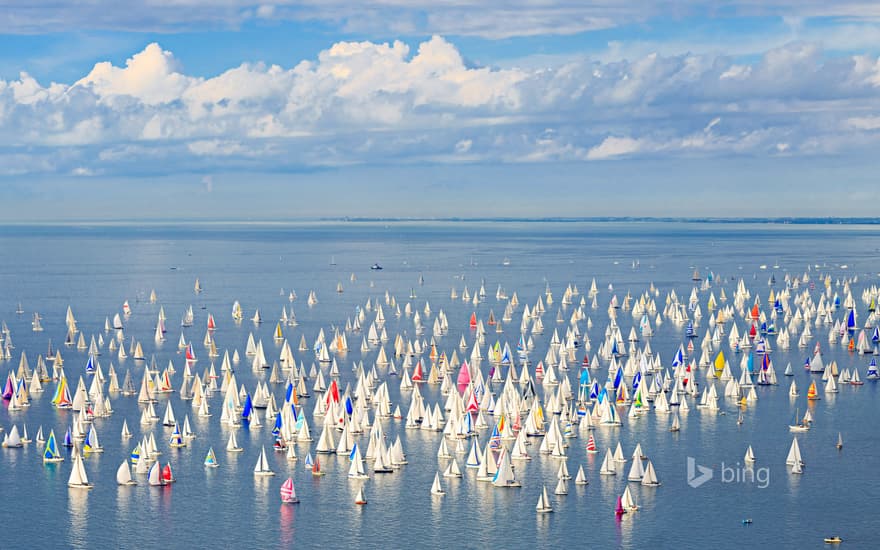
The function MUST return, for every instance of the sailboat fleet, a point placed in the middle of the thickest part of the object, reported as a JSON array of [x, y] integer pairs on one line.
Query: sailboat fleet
[[491, 406]]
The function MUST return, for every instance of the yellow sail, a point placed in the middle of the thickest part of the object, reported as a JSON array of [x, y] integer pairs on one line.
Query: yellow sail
[[719, 362]]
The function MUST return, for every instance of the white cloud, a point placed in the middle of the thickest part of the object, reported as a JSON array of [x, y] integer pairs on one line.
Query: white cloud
[[463, 146], [407, 17], [614, 147], [366, 103], [864, 123], [150, 76], [265, 11]]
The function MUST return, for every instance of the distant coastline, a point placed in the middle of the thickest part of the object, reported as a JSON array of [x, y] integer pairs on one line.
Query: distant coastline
[[453, 219]]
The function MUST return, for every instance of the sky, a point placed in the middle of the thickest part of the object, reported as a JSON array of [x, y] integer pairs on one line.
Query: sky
[[234, 110]]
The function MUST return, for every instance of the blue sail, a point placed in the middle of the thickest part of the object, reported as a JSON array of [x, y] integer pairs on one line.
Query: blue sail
[[495, 438], [679, 357], [585, 377], [618, 377], [248, 407]]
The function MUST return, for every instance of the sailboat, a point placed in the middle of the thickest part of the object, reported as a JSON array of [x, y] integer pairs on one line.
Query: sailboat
[[232, 444], [800, 425], [436, 488], [154, 477], [650, 477], [543, 506], [855, 380], [452, 469], [750, 455], [839, 441], [504, 476], [316, 465], [581, 477], [812, 393], [608, 468], [211, 459], [288, 492], [262, 466], [360, 499], [123, 475], [176, 440], [78, 478], [794, 454], [627, 502], [12, 439], [356, 470], [51, 453], [676, 424]]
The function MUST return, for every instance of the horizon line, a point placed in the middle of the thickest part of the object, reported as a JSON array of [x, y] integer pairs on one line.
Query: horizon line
[[783, 220]]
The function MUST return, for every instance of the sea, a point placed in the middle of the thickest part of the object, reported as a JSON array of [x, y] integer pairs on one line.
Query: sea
[[94, 268]]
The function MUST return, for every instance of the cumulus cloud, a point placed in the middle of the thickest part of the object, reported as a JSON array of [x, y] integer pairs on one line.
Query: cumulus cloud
[[366, 102]]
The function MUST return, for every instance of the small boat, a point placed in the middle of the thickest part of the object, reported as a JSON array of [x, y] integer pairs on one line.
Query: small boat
[[262, 466], [232, 444], [211, 459], [436, 488], [833, 540], [167, 475], [543, 506], [123, 475], [78, 478], [747, 521], [316, 467], [360, 499], [288, 492], [50, 453], [799, 425], [376, 267], [581, 478]]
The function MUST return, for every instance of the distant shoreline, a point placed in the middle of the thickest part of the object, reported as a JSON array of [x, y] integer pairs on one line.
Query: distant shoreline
[[451, 220]]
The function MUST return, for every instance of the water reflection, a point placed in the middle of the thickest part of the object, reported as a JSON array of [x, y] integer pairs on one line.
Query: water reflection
[[286, 517], [77, 510]]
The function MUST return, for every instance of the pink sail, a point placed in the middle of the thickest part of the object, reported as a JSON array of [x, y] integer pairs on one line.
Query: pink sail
[[464, 374], [288, 494]]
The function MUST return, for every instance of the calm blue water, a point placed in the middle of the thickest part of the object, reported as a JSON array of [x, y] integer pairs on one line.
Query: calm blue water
[[95, 268]]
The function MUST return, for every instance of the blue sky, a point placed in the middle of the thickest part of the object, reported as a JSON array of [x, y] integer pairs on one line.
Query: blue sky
[[446, 108]]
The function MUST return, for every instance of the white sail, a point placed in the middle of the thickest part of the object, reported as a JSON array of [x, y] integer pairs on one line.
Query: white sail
[[78, 478], [262, 466], [436, 488], [543, 505], [123, 474]]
